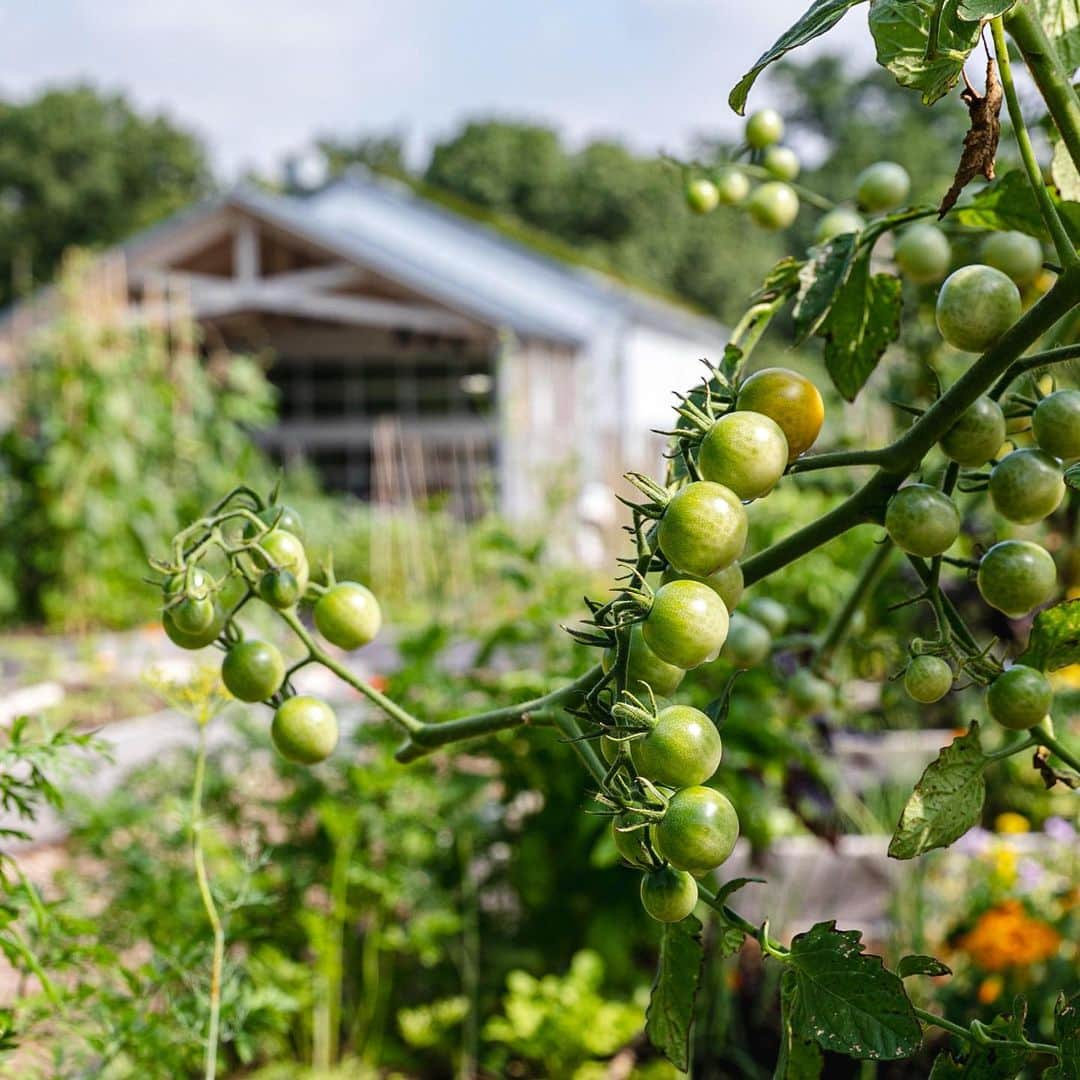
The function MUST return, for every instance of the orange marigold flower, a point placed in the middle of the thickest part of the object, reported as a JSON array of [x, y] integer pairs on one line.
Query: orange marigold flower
[[990, 989], [1006, 936]]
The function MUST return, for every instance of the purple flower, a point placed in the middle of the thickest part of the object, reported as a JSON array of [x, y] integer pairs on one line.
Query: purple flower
[[1057, 828], [1029, 874], [976, 841]]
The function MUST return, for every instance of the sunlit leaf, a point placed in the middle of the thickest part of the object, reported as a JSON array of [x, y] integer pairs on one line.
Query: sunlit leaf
[[1055, 637]]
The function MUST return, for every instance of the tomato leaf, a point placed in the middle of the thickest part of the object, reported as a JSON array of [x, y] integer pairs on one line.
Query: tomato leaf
[[1055, 638], [983, 9], [1009, 204], [989, 1061], [846, 1000], [1062, 169], [821, 16], [820, 280], [921, 965], [947, 800], [671, 1006], [902, 33], [800, 1057], [729, 941], [1067, 1033], [1061, 21], [862, 322]]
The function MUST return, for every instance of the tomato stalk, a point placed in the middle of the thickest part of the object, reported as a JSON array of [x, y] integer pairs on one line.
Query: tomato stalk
[[1055, 746]]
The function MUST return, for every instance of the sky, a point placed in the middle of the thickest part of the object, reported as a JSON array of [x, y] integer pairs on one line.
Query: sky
[[256, 80]]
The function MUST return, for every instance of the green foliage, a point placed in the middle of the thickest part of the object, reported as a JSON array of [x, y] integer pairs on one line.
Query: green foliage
[[121, 432], [1055, 638], [82, 168], [671, 1004]]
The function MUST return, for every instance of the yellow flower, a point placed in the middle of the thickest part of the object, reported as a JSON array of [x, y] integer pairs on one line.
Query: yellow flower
[[1067, 677], [1006, 936], [1011, 823], [1004, 865]]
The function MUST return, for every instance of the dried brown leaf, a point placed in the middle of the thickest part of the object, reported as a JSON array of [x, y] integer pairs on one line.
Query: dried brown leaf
[[981, 141]]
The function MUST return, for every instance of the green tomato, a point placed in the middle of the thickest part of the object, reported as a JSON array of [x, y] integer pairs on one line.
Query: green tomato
[[882, 186], [790, 399], [702, 196], [975, 306], [774, 205], [1056, 424], [686, 625], [645, 668], [682, 748], [348, 615], [922, 520], [764, 128], [745, 451], [286, 552], [196, 584], [782, 162], [631, 843], [769, 612], [304, 730], [748, 642], [199, 640], [732, 186], [668, 895], [253, 670], [808, 693], [279, 589], [726, 583], [836, 223], [1020, 697], [192, 615], [1016, 576], [703, 528], [698, 830], [278, 516], [1027, 486], [928, 679], [1013, 253], [923, 254], [977, 435]]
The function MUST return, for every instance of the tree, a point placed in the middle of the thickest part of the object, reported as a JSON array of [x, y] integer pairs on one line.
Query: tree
[[86, 169]]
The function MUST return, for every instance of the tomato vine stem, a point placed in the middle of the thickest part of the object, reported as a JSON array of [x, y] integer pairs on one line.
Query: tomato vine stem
[[1044, 738]]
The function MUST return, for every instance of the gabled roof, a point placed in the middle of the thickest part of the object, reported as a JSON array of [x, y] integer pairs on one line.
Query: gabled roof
[[456, 261]]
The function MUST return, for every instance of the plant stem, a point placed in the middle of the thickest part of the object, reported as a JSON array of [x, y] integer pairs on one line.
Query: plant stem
[[1044, 738], [1015, 747], [1062, 244], [837, 459], [737, 920], [1032, 363], [1050, 76], [840, 624], [201, 876]]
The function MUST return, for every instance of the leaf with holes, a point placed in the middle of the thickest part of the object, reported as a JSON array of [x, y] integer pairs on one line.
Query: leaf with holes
[[1055, 638], [846, 1000], [671, 1005], [947, 800], [820, 17], [800, 1057], [921, 965], [902, 32], [820, 281]]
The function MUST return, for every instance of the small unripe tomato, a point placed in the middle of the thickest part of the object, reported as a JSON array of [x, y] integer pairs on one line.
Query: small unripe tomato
[[923, 254], [1020, 697], [682, 749], [808, 693], [279, 589], [285, 551], [774, 205], [764, 128], [732, 186], [745, 451], [975, 306], [782, 162], [630, 842], [977, 435], [304, 730], [668, 895], [1013, 253], [769, 612], [278, 516], [698, 830], [348, 615], [928, 679], [790, 399], [192, 614], [686, 625], [1056, 424], [748, 642], [726, 583], [1016, 576], [196, 583], [836, 223], [1027, 486], [645, 668], [253, 671], [922, 520], [882, 186], [702, 196], [200, 640], [703, 528]]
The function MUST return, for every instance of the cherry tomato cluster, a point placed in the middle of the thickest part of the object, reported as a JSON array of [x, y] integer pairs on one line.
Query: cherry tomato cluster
[[246, 551]]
